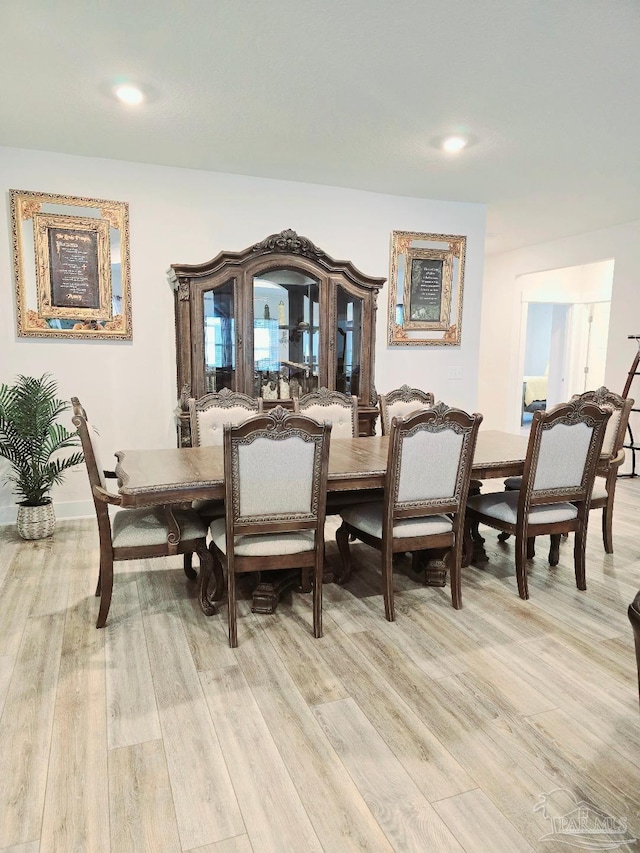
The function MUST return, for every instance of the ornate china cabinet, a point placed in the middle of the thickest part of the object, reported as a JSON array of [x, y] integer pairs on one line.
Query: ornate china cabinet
[[277, 320]]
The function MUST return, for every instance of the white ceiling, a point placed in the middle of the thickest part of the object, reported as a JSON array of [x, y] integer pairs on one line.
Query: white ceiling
[[349, 93]]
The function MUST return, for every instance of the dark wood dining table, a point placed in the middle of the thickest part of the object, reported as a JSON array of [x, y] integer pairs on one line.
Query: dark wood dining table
[[175, 475], [179, 475]]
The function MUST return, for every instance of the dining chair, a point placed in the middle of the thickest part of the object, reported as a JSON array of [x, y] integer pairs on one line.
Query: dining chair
[[611, 458], [426, 484], [559, 469], [634, 618], [341, 410], [275, 470], [207, 417], [209, 414], [135, 534], [402, 402]]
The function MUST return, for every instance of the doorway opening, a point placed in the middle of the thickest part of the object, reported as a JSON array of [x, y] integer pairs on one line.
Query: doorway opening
[[565, 330]]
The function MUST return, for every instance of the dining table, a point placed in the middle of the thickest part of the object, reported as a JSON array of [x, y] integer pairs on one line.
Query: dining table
[[168, 476]]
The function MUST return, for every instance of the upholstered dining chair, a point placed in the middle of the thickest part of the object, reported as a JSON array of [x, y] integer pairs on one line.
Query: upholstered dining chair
[[209, 414], [275, 468], [207, 417], [135, 534], [402, 402], [341, 410], [611, 458], [563, 451], [425, 492], [634, 618]]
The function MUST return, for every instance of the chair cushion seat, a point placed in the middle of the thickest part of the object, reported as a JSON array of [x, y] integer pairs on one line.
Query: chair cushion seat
[[368, 519], [503, 506], [148, 526], [262, 544]]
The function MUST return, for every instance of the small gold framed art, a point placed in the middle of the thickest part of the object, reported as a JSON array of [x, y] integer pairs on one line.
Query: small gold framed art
[[425, 289]]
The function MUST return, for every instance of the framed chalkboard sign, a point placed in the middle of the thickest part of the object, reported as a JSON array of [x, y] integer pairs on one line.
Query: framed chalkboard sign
[[425, 293], [71, 266]]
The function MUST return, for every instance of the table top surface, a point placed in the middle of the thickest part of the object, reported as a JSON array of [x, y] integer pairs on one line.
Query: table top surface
[[189, 473]]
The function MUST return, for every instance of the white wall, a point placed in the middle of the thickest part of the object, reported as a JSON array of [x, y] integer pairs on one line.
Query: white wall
[[585, 283], [499, 382], [185, 216], [538, 338]]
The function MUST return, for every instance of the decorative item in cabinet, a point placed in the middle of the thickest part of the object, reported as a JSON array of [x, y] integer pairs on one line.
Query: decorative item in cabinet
[[278, 319]]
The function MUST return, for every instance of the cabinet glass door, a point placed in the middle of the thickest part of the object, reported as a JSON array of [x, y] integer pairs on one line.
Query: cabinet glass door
[[348, 345], [219, 338], [286, 334]]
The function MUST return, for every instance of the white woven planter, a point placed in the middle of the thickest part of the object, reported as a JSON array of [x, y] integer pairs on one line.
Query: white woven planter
[[36, 522]]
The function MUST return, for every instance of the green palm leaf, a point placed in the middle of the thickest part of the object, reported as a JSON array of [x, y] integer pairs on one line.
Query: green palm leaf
[[31, 437]]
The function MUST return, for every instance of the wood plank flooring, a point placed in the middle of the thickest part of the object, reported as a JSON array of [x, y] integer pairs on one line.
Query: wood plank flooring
[[466, 731]]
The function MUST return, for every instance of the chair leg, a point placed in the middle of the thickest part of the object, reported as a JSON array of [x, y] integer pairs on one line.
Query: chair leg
[[475, 488], [521, 566], [418, 563], [231, 605], [607, 526], [502, 537], [208, 561], [342, 541], [106, 583], [317, 597], [454, 559], [554, 549], [99, 584], [218, 574], [306, 579], [579, 555], [188, 567], [531, 547], [387, 584]]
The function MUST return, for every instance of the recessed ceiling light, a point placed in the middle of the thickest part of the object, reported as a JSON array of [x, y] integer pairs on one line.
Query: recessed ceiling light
[[129, 94], [453, 144]]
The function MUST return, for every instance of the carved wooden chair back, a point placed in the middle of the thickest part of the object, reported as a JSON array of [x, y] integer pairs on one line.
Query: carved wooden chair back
[[426, 487], [340, 410], [617, 423], [209, 414], [97, 474], [401, 403], [276, 468], [134, 534]]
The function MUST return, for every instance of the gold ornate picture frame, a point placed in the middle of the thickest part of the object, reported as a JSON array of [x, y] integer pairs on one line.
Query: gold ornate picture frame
[[425, 289], [71, 266]]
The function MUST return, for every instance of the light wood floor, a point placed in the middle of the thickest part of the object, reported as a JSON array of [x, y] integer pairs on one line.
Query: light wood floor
[[443, 731]]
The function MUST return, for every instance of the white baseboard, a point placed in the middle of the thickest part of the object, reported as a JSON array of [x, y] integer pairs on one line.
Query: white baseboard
[[70, 509]]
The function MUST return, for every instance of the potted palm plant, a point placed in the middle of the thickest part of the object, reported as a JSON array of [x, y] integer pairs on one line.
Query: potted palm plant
[[30, 440]]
